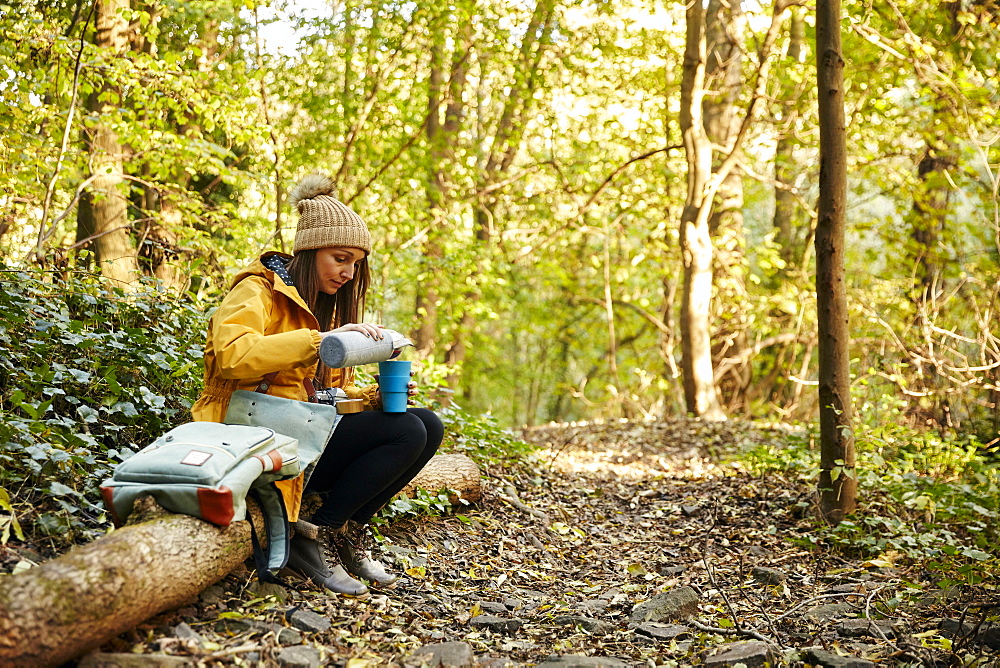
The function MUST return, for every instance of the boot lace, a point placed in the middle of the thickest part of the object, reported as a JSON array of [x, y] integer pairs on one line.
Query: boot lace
[[359, 538], [330, 538]]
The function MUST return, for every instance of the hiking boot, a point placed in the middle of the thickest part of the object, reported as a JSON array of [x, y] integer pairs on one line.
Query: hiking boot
[[353, 545], [308, 556]]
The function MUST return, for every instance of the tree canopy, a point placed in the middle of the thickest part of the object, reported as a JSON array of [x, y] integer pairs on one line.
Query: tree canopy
[[523, 170]]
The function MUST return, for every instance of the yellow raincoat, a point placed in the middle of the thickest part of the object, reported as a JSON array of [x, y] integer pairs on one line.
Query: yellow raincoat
[[264, 326]]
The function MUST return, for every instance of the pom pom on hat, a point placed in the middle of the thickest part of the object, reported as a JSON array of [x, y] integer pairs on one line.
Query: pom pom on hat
[[323, 220]]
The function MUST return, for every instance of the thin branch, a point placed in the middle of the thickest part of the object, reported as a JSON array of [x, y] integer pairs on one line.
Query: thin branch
[[618, 170], [403, 148], [512, 498], [646, 315], [722, 590], [813, 600], [747, 353], [362, 118], [601, 188], [750, 633], [43, 233], [759, 94]]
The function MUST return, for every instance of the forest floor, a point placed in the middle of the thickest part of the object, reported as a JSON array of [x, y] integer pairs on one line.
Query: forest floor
[[621, 544]]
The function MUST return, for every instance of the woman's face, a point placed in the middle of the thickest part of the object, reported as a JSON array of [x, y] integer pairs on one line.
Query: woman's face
[[336, 266]]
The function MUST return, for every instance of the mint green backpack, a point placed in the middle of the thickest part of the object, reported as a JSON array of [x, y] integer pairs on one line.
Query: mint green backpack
[[207, 469]]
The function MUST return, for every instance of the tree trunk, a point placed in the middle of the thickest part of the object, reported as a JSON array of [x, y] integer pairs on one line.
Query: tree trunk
[[929, 252], [82, 599], [838, 479], [788, 214], [724, 36], [695, 238], [107, 206], [441, 140], [931, 202], [444, 142], [157, 243], [79, 601]]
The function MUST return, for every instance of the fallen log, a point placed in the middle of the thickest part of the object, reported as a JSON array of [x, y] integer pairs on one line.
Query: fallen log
[[80, 600], [160, 560]]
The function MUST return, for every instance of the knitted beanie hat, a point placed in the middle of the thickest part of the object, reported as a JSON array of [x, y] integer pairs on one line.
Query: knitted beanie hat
[[323, 220]]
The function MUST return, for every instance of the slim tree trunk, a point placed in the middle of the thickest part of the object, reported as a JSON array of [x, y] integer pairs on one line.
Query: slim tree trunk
[[504, 147], [928, 231], [930, 209], [106, 209], [695, 237], [157, 236], [724, 35], [838, 479], [265, 107], [442, 139], [424, 337], [787, 212]]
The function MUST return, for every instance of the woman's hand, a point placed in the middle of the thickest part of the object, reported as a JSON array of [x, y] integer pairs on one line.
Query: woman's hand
[[411, 390], [371, 331]]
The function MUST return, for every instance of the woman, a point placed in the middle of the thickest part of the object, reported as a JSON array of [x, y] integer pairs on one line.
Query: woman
[[273, 320]]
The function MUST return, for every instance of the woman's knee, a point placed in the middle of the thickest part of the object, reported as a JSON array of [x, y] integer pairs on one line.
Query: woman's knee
[[411, 434], [432, 424]]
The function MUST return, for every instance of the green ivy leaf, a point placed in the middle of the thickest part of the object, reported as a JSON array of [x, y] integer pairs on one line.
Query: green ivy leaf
[[60, 489]]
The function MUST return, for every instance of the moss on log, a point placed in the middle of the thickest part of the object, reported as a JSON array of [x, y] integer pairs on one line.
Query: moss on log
[[78, 601]]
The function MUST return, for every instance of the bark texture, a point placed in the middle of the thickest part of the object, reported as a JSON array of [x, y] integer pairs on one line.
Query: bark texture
[[455, 472], [837, 478], [69, 605], [788, 213], [724, 35], [695, 237], [105, 215]]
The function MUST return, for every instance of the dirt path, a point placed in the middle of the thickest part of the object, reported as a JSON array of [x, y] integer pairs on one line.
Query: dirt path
[[628, 544]]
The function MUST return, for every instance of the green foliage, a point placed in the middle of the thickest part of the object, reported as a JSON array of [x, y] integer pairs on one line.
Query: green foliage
[[481, 437], [924, 498], [177, 100], [550, 177], [88, 374], [423, 504]]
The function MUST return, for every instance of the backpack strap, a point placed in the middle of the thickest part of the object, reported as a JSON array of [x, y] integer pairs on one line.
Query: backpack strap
[[267, 381], [272, 505], [268, 563]]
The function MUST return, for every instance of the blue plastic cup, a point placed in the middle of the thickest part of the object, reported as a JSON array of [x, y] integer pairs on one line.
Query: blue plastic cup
[[394, 384]]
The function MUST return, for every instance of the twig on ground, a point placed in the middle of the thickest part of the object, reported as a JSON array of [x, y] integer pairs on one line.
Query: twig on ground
[[711, 576], [813, 600], [730, 632], [253, 647], [511, 498], [755, 602], [872, 624]]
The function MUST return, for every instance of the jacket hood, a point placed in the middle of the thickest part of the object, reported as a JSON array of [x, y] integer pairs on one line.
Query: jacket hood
[[257, 268]]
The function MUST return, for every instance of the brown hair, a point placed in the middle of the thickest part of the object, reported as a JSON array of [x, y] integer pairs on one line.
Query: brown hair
[[345, 306]]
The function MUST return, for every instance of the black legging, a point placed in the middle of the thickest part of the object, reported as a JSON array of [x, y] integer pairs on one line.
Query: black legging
[[371, 457]]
